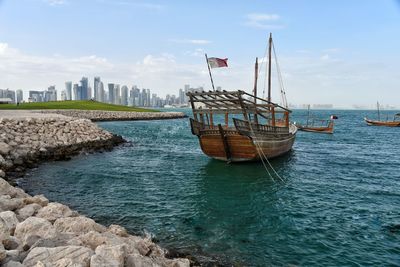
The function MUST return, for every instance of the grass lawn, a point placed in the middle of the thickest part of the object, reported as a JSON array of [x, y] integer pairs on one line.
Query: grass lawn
[[75, 104]]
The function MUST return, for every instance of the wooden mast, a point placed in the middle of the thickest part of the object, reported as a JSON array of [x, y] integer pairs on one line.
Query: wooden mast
[[269, 66], [255, 89], [379, 114]]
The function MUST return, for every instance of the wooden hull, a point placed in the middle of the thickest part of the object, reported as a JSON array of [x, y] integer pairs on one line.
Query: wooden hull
[[243, 148], [382, 123], [326, 130]]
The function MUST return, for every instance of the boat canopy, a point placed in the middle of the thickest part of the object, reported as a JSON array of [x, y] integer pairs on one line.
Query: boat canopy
[[232, 102]]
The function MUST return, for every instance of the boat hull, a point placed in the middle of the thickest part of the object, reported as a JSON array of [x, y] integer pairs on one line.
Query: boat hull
[[243, 148], [382, 123], [326, 130]]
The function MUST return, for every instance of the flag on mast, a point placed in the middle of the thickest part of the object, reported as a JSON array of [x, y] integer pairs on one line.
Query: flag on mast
[[217, 62]]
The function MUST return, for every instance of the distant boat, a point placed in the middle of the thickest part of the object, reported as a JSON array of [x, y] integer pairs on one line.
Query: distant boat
[[393, 123], [263, 130], [317, 125]]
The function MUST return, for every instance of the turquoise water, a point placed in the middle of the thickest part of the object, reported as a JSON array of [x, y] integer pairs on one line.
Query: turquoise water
[[339, 204]]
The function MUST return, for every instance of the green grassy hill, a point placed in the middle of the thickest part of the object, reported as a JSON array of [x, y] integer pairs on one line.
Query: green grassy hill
[[77, 104]]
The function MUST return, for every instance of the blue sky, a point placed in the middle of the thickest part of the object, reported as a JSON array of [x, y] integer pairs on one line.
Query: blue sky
[[339, 52]]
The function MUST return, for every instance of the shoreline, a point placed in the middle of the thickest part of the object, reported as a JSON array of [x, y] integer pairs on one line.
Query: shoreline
[[36, 232]]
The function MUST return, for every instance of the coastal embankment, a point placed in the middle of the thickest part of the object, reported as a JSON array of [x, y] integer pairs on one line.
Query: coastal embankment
[[37, 232], [100, 115]]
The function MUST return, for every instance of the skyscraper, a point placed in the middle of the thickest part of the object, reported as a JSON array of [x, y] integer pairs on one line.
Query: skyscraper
[[111, 93], [96, 88], [124, 95], [84, 90], [20, 95], [50, 94], [117, 95], [101, 92], [77, 93], [68, 90]]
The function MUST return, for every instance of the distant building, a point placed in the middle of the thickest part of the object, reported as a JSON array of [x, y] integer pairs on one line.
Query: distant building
[[20, 96], [117, 94], [36, 96], [111, 93], [68, 90], [96, 90], [84, 89], [7, 93], [101, 92], [63, 95], [77, 92], [50, 94], [124, 95]]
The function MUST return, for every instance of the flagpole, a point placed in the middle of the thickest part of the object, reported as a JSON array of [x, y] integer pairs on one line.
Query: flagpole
[[209, 71]]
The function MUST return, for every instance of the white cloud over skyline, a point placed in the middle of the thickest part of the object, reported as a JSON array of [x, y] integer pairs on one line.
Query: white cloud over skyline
[[263, 21], [308, 78]]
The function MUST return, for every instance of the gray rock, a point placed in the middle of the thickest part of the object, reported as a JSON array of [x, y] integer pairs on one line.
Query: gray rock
[[7, 203], [39, 199], [108, 256], [77, 225], [3, 253], [34, 227], [7, 189], [55, 210], [13, 264], [10, 220], [11, 243], [59, 256], [27, 211], [118, 230], [134, 260], [4, 148]]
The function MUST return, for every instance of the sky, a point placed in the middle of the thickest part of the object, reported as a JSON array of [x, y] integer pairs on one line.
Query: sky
[[330, 52]]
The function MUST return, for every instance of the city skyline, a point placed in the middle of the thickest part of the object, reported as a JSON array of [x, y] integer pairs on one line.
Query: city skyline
[[329, 52]]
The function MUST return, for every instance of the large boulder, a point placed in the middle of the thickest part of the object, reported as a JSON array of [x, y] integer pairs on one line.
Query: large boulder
[[32, 229], [55, 210], [59, 256], [108, 256], [27, 211], [13, 264], [118, 230], [39, 199], [91, 239], [4, 231], [7, 203], [4, 148], [10, 219], [3, 253], [77, 225], [134, 260], [7, 189]]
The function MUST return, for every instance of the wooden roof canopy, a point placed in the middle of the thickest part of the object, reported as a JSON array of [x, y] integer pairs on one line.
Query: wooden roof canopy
[[234, 102]]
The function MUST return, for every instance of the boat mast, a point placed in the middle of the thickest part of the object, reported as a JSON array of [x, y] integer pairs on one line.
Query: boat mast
[[255, 90], [308, 115], [269, 66], [379, 114]]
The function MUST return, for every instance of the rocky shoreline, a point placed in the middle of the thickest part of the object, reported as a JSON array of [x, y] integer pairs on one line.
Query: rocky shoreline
[[36, 232], [100, 115]]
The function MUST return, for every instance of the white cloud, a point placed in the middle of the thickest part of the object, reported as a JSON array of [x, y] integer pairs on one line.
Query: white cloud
[[191, 41], [263, 21], [55, 2], [138, 4]]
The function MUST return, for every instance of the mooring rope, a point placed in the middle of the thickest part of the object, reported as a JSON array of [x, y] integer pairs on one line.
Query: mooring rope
[[263, 156]]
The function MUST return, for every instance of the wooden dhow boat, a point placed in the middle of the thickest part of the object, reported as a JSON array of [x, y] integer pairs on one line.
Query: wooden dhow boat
[[317, 125], [236, 126], [393, 123]]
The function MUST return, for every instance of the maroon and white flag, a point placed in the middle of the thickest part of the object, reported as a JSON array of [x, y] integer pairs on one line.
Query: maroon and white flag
[[217, 62]]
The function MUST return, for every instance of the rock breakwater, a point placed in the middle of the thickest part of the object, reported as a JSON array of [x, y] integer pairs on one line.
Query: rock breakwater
[[24, 142], [100, 115]]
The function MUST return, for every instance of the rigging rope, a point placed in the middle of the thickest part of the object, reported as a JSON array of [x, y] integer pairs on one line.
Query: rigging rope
[[263, 157], [280, 80]]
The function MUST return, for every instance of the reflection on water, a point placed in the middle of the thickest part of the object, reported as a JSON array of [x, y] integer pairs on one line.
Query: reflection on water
[[337, 205]]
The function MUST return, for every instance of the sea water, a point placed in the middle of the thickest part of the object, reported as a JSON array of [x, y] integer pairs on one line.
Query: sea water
[[338, 203]]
